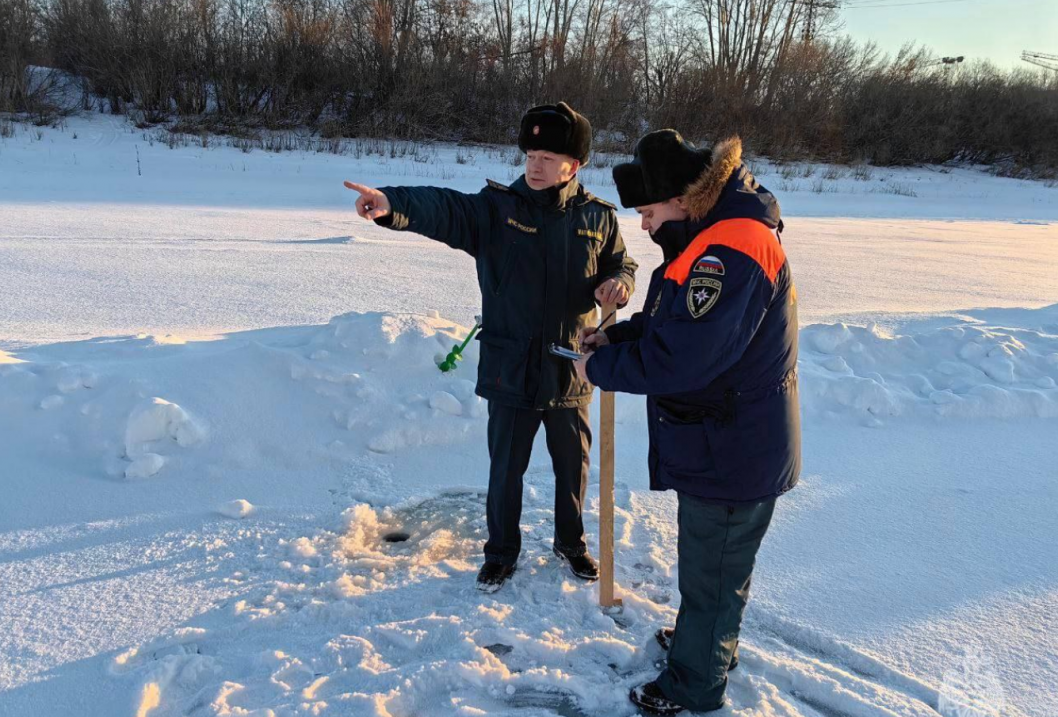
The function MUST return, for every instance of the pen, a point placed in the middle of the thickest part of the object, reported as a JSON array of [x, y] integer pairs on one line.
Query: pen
[[605, 320]]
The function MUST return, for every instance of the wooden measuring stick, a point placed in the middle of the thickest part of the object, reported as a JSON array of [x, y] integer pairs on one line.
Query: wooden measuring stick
[[606, 475]]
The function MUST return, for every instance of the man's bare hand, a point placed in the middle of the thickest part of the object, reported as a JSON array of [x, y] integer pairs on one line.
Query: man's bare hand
[[612, 291], [591, 338], [371, 204]]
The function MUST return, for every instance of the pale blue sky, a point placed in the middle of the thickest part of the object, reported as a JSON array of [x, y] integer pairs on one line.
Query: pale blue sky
[[997, 30]]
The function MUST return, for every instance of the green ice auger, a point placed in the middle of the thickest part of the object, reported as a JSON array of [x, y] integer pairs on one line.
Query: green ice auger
[[456, 354]]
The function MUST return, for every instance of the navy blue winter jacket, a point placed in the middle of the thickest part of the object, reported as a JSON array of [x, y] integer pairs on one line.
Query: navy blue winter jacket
[[715, 352]]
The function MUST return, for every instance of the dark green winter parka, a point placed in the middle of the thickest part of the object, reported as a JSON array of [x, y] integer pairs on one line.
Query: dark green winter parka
[[540, 256]]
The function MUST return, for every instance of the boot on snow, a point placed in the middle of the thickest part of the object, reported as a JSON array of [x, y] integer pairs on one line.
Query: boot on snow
[[649, 698], [583, 566], [492, 576]]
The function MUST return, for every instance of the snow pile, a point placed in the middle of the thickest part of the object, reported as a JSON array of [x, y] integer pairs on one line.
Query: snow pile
[[965, 370], [151, 424], [236, 509], [158, 420], [381, 369]]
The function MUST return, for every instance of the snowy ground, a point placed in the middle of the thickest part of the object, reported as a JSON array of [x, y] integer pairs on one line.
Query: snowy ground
[[167, 348]]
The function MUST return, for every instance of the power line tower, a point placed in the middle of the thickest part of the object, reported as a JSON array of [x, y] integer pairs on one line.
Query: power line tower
[[1041, 59], [813, 12]]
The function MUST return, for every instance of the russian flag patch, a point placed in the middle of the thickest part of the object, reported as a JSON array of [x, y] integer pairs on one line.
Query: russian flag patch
[[709, 265]]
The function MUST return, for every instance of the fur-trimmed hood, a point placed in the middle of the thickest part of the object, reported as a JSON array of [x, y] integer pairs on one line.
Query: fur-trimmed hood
[[702, 194], [726, 189], [714, 184]]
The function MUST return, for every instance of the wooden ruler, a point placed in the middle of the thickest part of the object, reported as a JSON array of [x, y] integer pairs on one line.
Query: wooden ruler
[[606, 475]]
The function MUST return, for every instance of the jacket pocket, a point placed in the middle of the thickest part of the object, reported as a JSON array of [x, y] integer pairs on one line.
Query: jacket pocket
[[502, 365], [752, 446], [683, 447]]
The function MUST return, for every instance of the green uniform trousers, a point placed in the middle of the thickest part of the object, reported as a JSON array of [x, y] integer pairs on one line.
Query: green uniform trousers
[[717, 549]]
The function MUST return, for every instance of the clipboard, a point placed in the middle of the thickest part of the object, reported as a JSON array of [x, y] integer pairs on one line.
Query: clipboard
[[565, 353]]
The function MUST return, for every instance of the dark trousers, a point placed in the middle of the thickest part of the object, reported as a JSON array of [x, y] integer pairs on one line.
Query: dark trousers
[[511, 434], [717, 550]]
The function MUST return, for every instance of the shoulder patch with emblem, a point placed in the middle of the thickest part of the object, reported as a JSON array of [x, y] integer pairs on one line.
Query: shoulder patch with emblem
[[512, 222], [496, 185], [702, 295], [709, 265]]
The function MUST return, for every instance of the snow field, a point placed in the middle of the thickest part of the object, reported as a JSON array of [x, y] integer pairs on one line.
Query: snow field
[[341, 620], [341, 628]]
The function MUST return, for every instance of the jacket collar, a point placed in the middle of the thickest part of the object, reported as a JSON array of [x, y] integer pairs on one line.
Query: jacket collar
[[556, 198], [740, 196], [675, 236]]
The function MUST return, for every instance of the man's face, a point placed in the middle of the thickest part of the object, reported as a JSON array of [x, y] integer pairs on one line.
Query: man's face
[[652, 216], [544, 170]]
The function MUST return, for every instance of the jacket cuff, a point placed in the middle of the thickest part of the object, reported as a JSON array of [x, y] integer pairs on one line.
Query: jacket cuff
[[397, 218], [596, 370], [620, 332]]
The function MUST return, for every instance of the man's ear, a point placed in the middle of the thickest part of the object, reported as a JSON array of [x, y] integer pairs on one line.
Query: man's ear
[[576, 166]]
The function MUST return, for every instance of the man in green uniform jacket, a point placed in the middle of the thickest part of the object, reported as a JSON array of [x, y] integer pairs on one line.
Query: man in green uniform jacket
[[546, 251]]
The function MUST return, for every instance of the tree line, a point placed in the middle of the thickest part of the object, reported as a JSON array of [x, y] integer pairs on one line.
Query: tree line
[[775, 71]]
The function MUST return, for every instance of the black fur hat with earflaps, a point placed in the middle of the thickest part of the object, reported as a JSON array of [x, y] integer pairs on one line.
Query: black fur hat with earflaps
[[556, 128]]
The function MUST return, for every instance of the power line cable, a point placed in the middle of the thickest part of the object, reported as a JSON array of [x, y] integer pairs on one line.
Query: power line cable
[[878, 3]]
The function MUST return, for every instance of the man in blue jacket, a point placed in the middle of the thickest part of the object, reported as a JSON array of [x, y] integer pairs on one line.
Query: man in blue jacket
[[545, 251], [715, 352]]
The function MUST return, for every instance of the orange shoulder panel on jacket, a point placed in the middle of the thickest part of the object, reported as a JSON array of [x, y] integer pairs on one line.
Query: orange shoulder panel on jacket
[[752, 238]]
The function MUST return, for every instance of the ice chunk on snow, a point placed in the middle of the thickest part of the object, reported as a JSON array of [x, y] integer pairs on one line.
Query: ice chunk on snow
[[158, 419], [447, 403], [302, 548], [236, 509], [145, 466]]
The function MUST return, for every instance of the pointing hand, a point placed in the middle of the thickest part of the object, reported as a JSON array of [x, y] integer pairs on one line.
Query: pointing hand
[[371, 204]]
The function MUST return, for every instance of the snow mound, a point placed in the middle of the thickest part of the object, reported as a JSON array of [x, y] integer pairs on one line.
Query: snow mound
[[380, 375], [157, 420], [446, 403], [236, 509], [145, 466], [966, 370]]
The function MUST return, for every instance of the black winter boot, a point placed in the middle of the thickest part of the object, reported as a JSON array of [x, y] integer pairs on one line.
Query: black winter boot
[[583, 566], [648, 697], [492, 576]]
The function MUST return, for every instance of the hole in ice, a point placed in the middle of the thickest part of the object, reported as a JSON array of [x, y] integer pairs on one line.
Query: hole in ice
[[395, 537]]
